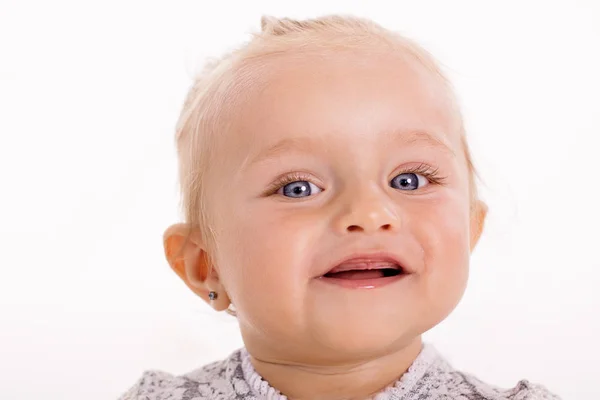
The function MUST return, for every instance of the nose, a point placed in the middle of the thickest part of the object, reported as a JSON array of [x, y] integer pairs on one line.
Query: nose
[[368, 212]]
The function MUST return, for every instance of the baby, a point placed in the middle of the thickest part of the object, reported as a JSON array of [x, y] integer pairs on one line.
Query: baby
[[331, 205]]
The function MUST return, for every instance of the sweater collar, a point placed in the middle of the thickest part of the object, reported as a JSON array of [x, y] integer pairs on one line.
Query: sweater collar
[[261, 388]]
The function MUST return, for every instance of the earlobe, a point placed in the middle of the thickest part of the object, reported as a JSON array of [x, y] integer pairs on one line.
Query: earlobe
[[186, 255], [478, 217]]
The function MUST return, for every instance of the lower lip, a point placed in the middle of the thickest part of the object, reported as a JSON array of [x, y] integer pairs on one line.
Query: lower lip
[[364, 283]]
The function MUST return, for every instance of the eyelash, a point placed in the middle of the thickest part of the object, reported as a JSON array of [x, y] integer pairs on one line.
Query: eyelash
[[286, 179], [432, 174], [422, 169]]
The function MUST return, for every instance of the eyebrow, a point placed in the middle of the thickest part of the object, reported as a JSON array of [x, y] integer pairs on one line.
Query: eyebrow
[[421, 136], [308, 144], [305, 144]]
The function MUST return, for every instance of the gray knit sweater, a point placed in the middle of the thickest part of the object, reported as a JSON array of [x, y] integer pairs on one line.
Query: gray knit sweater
[[429, 377]]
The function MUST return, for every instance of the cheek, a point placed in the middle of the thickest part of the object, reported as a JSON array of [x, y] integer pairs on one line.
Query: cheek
[[271, 243], [444, 237], [264, 257]]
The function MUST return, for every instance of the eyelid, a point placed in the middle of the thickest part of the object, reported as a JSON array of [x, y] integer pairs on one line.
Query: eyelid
[[287, 178], [431, 173]]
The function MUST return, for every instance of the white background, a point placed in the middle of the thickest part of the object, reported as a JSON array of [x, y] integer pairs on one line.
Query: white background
[[89, 96]]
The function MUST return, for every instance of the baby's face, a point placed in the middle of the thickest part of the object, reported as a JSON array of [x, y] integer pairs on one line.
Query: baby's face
[[333, 160]]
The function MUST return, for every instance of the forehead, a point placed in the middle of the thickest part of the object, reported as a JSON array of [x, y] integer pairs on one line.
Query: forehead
[[345, 97]]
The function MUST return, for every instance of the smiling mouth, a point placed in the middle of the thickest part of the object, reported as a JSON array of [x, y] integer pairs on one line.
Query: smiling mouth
[[366, 270], [365, 273]]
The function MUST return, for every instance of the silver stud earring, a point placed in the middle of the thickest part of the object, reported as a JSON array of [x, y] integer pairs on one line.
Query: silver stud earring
[[212, 295]]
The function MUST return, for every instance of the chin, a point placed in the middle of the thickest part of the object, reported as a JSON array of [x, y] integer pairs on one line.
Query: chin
[[365, 337]]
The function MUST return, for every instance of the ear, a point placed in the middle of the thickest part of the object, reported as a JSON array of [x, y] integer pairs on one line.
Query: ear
[[186, 253], [478, 217]]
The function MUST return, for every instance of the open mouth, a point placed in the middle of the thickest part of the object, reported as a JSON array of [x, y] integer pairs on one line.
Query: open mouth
[[365, 272]]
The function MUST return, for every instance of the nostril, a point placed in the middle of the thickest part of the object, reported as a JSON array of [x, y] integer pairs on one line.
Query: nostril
[[357, 228]]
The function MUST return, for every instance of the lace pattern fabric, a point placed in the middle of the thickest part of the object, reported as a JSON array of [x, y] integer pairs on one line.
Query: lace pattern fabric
[[429, 377]]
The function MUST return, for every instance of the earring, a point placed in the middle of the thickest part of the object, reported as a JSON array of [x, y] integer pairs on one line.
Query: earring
[[212, 295], [231, 310]]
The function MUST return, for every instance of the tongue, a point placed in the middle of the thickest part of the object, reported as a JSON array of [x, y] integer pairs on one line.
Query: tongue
[[358, 274]]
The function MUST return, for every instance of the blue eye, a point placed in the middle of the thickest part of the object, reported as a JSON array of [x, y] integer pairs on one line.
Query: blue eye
[[299, 189], [407, 181]]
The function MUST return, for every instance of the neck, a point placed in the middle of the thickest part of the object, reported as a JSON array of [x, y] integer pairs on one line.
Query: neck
[[355, 381]]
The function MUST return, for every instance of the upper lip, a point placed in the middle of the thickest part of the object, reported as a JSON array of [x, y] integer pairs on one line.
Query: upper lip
[[368, 257]]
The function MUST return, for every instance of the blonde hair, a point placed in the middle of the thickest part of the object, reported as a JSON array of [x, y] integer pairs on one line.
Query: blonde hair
[[223, 85]]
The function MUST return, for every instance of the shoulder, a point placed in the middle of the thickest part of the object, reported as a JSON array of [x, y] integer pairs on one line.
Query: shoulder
[[523, 390], [462, 385], [150, 385], [533, 391], [443, 381], [158, 385], [218, 380]]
